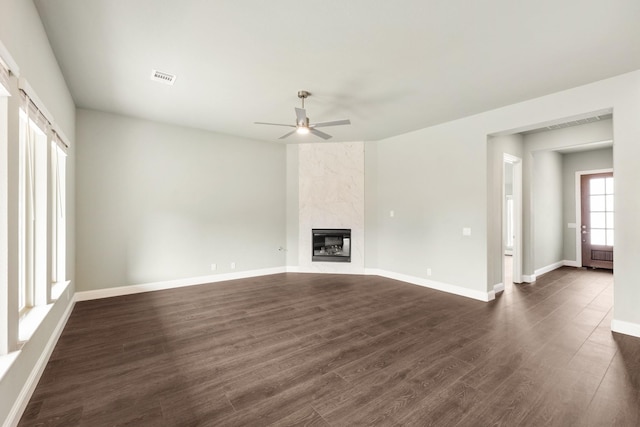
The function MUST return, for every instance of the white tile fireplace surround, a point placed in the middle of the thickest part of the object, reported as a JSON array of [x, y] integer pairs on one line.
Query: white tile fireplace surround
[[331, 196]]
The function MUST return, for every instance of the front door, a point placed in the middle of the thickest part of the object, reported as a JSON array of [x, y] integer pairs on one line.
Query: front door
[[597, 220]]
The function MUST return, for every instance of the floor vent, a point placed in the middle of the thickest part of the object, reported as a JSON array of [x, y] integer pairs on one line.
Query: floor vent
[[166, 78]]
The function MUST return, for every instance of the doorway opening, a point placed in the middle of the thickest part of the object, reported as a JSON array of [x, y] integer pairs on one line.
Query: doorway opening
[[512, 218], [595, 214]]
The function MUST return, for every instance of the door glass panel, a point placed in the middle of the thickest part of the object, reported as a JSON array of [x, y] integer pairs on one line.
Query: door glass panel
[[598, 220], [598, 237], [597, 186], [609, 220], [609, 186], [609, 202], [598, 203], [601, 211]]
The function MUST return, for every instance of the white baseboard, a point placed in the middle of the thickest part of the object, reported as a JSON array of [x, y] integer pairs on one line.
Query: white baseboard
[[157, 286], [568, 263], [432, 284], [626, 328], [498, 288], [170, 284], [30, 385], [548, 268], [540, 271]]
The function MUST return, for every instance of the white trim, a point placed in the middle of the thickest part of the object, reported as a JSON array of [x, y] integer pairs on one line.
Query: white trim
[[497, 288], [548, 268], [171, 284], [432, 284], [61, 135], [24, 86], [314, 271], [564, 263], [6, 361], [578, 195], [517, 197], [8, 59], [568, 263], [627, 328], [30, 385]]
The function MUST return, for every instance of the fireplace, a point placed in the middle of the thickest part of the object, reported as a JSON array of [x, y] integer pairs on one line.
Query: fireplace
[[331, 245]]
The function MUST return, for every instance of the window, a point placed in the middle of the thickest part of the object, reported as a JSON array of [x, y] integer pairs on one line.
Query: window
[[601, 211], [32, 225], [58, 235]]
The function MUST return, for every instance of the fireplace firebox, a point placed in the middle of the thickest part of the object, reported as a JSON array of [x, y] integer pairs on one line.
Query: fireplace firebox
[[331, 245]]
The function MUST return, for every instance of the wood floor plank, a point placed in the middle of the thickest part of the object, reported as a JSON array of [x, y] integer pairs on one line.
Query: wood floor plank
[[337, 350]]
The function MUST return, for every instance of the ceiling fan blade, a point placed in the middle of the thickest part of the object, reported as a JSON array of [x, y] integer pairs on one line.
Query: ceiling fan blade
[[333, 123], [273, 124], [301, 115], [320, 134], [287, 134]]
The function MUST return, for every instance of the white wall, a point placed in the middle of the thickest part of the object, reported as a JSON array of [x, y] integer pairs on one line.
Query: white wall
[[436, 181], [547, 209], [496, 148], [331, 195], [538, 142], [158, 202], [22, 34], [292, 206]]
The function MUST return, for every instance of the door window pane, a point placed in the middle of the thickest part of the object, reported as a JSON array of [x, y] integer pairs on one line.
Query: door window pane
[[598, 203], [609, 220], [598, 220], [609, 185], [597, 186], [609, 202], [609, 237], [598, 237]]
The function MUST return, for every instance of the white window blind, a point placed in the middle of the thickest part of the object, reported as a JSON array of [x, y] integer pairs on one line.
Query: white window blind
[[33, 205], [58, 223]]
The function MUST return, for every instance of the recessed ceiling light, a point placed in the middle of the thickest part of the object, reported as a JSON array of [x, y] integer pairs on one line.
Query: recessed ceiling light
[[162, 77]]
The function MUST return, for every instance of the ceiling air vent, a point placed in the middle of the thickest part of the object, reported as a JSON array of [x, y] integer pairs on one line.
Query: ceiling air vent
[[166, 78]]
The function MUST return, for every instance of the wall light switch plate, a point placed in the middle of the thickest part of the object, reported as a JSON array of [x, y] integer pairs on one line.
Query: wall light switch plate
[[392, 214], [466, 231], [233, 265]]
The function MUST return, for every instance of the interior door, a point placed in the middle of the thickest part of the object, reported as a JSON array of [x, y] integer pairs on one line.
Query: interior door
[[597, 220]]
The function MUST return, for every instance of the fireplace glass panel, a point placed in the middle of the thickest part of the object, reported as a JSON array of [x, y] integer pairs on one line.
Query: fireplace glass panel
[[332, 245]]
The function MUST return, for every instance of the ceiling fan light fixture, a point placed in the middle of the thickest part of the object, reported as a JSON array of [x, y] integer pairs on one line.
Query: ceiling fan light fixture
[[302, 126]]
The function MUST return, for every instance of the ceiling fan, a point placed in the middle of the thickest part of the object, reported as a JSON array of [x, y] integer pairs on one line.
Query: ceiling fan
[[303, 126]]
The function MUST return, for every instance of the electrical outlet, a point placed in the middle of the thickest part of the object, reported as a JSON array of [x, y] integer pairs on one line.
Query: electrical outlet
[[233, 265], [214, 267], [428, 272]]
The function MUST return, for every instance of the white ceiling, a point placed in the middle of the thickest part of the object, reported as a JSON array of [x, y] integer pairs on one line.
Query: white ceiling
[[389, 66]]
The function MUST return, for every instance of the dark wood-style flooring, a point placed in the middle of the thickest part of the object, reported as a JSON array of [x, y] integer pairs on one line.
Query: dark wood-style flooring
[[336, 350]]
